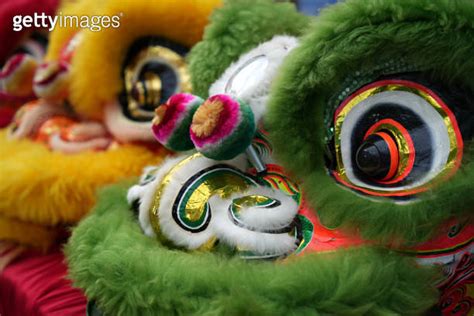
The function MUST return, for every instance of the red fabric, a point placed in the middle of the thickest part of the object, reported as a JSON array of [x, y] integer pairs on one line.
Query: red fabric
[[35, 284], [6, 115], [10, 8], [325, 239]]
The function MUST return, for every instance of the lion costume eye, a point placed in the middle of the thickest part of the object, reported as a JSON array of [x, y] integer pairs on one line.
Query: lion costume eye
[[154, 70], [395, 138]]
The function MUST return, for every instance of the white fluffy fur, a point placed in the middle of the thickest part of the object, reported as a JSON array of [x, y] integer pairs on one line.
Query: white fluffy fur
[[257, 220], [146, 193], [269, 218], [259, 242], [168, 226], [256, 96], [221, 225]]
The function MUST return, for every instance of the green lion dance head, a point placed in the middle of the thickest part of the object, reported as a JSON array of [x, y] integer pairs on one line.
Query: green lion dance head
[[325, 168]]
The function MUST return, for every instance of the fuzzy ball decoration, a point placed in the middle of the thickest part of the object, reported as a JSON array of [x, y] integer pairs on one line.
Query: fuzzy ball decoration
[[52, 189], [223, 127], [17, 76], [9, 9], [173, 120], [356, 43], [21, 79]]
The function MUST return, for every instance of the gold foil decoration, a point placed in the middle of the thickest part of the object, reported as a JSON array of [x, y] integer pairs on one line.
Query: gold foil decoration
[[149, 90], [250, 200], [223, 184], [453, 160]]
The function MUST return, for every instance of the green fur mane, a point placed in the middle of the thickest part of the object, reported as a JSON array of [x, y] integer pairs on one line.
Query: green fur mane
[[437, 35], [128, 273], [235, 29]]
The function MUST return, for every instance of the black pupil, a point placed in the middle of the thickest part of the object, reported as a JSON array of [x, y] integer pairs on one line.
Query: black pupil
[[169, 81], [167, 75], [373, 157]]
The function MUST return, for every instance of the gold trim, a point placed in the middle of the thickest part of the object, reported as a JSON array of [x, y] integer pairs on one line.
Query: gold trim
[[154, 221], [339, 120], [152, 83]]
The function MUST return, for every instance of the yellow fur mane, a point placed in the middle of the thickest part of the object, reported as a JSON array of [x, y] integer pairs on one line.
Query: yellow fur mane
[[98, 60], [46, 188], [61, 35]]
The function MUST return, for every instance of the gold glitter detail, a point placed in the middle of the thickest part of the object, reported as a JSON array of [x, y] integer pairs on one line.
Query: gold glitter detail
[[152, 83], [147, 91], [223, 185], [206, 118], [339, 120], [208, 245], [156, 202], [249, 200]]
